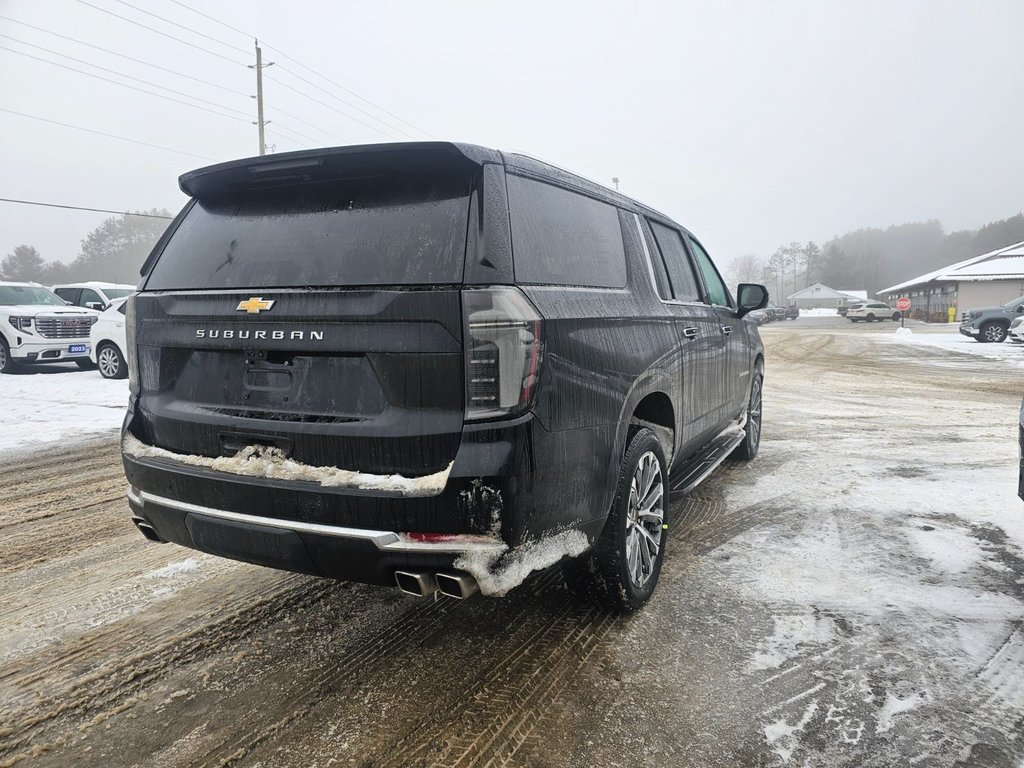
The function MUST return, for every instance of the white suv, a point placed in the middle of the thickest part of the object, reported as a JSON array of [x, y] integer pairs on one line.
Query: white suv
[[93, 295], [109, 342], [871, 311], [37, 326]]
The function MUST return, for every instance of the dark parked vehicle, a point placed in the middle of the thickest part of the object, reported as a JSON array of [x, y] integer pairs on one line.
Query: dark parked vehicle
[[991, 324], [411, 363], [792, 312]]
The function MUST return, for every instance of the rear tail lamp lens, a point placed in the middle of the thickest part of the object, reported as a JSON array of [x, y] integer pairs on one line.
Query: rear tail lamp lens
[[132, 350], [503, 342]]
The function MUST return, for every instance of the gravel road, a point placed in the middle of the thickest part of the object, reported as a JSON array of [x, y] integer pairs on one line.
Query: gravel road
[[855, 596]]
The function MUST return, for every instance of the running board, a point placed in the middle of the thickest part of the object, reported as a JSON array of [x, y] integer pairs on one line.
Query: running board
[[695, 470]]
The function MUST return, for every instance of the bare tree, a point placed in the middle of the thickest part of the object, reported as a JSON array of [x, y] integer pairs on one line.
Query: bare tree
[[747, 268]]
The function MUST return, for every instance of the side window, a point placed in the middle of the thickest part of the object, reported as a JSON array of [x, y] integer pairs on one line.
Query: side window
[[89, 295], [717, 292], [680, 270], [563, 238], [123, 307], [68, 294]]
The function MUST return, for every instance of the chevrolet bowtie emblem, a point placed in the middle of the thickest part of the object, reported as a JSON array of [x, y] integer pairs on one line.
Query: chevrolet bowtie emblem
[[254, 306]]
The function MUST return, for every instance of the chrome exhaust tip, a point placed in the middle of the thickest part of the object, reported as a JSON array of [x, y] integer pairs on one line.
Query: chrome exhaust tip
[[147, 530], [457, 585], [420, 584]]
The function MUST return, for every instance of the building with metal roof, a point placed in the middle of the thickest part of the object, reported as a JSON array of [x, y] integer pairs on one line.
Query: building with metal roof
[[987, 280]]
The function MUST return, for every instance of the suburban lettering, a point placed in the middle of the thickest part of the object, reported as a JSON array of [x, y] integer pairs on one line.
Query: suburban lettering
[[200, 333], [316, 335]]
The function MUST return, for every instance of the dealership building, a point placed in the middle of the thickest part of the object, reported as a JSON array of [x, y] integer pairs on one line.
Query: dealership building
[[987, 280]]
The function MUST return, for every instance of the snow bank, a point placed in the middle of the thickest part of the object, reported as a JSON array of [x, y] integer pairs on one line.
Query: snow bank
[[57, 404], [498, 572], [265, 461], [951, 340], [818, 312]]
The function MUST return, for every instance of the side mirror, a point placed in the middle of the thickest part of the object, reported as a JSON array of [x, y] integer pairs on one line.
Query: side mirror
[[751, 296], [97, 305], [1020, 309]]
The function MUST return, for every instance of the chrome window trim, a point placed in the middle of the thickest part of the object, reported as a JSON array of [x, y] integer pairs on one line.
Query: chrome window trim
[[650, 271]]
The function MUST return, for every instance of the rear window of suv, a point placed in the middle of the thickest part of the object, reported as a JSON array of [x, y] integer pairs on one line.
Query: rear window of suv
[[383, 228], [564, 238]]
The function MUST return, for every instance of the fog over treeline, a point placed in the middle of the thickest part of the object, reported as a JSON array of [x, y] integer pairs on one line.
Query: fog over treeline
[[865, 259], [113, 252], [871, 258]]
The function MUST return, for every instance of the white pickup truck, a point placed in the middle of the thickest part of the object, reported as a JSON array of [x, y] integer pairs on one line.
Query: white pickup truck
[[37, 326]]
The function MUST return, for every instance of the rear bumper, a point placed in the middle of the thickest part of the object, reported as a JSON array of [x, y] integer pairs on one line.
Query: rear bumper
[[352, 554]]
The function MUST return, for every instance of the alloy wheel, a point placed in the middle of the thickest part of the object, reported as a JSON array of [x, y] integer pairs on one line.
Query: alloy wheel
[[108, 362], [994, 333], [644, 519]]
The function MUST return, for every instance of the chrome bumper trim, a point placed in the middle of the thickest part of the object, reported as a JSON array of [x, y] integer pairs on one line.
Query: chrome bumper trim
[[385, 541]]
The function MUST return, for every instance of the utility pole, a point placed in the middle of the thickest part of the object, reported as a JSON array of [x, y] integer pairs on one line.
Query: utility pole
[[260, 122]]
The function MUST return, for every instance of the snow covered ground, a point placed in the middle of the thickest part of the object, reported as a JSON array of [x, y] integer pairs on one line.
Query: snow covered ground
[[58, 404], [950, 339]]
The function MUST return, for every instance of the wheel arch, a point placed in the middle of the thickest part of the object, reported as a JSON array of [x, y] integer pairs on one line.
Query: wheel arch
[[649, 401]]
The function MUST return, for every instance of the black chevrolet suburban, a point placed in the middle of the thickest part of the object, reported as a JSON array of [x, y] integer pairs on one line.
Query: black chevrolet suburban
[[433, 365]]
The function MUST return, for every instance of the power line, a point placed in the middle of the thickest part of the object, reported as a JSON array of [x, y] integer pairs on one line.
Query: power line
[[280, 127], [293, 89], [164, 34], [308, 69], [271, 108], [182, 26], [102, 133], [124, 56], [349, 91], [123, 85], [81, 208], [343, 101], [129, 77]]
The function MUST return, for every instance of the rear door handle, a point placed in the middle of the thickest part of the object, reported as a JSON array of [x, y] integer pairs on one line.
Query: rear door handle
[[690, 333], [726, 329]]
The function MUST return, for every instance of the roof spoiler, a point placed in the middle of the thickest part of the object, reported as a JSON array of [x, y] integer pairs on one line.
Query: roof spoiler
[[329, 163]]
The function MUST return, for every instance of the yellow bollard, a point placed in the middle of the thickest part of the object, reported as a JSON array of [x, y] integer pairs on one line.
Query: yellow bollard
[[952, 314]]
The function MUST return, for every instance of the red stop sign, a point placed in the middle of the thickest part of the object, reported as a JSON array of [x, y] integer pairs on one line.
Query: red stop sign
[[903, 303]]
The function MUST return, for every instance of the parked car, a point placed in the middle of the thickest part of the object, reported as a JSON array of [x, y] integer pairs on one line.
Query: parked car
[[508, 357], [36, 326], [792, 312], [775, 312], [1016, 331], [991, 324], [108, 341], [871, 311], [760, 316], [93, 295]]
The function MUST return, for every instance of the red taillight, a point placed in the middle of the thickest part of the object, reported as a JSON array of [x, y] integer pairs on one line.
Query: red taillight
[[504, 349]]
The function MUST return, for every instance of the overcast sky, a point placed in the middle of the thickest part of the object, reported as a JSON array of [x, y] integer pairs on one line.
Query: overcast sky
[[752, 123]]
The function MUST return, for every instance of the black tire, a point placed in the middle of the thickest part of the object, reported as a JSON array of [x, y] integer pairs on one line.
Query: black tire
[[853, 319], [86, 364], [870, 318], [895, 317], [111, 362], [992, 333], [748, 449], [7, 364], [605, 575]]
